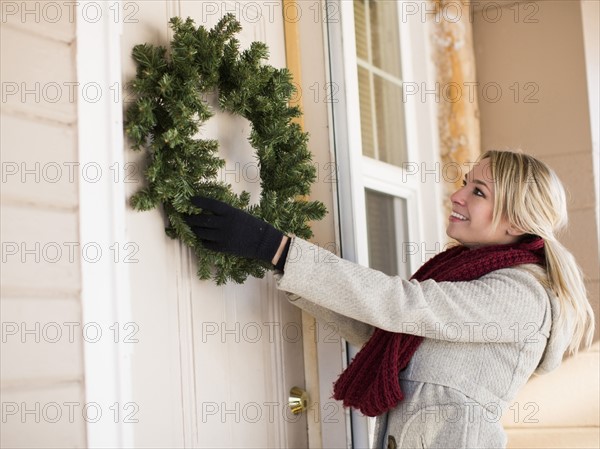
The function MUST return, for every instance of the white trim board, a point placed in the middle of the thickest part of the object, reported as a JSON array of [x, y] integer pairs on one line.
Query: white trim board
[[105, 288]]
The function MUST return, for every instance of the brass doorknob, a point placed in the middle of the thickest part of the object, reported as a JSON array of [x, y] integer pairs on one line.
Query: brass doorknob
[[298, 400]]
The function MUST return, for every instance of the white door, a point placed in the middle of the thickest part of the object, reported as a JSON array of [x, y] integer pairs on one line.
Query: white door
[[213, 366]]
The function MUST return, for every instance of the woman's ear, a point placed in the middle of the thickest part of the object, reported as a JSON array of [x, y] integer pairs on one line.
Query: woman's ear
[[514, 231]]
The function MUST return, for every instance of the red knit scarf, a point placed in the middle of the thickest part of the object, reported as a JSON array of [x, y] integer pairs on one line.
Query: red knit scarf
[[371, 382]]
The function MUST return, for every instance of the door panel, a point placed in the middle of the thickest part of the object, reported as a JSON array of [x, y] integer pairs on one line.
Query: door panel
[[214, 365]]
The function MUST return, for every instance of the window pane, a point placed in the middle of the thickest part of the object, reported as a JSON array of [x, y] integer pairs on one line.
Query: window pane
[[366, 117], [385, 43], [390, 121], [360, 29], [387, 233], [376, 29], [381, 232]]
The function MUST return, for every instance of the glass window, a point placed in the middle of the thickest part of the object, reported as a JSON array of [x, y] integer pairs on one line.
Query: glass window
[[386, 229], [379, 68]]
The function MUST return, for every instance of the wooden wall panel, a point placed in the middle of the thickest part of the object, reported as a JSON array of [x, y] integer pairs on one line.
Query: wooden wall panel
[[40, 164], [38, 76], [42, 374]]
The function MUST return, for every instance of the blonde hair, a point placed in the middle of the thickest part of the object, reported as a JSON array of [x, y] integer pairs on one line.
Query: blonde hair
[[532, 198]]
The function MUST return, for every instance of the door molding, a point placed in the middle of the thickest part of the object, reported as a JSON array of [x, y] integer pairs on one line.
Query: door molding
[[183, 278], [105, 291]]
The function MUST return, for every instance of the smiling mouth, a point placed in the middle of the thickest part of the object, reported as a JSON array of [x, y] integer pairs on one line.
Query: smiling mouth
[[458, 216]]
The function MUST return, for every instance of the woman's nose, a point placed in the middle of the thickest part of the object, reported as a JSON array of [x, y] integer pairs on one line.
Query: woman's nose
[[458, 196]]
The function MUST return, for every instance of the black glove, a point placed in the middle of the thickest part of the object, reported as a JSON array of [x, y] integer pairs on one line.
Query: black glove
[[224, 228]]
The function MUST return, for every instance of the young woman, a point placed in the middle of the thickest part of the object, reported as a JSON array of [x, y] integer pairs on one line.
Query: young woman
[[445, 352]]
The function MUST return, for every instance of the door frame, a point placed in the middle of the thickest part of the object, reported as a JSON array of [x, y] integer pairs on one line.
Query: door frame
[[104, 285]]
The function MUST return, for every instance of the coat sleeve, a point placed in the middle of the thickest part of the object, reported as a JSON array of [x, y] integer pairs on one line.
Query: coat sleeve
[[506, 305], [356, 332]]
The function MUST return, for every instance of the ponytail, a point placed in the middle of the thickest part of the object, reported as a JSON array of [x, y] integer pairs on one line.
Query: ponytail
[[531, 196], [566, 280]]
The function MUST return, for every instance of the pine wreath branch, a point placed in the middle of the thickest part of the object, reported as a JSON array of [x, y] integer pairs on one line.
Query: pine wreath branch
[[169, 111]]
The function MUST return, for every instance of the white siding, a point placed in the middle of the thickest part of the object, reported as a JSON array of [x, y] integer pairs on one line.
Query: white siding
[[42, 365]]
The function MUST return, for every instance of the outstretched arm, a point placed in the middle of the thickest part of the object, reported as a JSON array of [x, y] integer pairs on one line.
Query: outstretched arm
[[506, 305]]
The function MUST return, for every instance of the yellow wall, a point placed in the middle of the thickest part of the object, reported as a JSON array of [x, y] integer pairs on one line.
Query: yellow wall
[[535, 54]]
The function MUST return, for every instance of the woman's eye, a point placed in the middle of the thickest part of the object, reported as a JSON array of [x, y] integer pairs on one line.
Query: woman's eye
[[476, 191]]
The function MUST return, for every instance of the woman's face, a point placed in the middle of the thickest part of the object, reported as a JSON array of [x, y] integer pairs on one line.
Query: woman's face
[[475, 203]]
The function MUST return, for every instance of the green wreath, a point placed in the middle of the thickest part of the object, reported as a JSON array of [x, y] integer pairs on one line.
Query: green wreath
[[168, 112]]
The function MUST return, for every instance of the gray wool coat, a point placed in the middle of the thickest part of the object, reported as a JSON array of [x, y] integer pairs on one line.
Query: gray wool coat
[[483, 340]]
